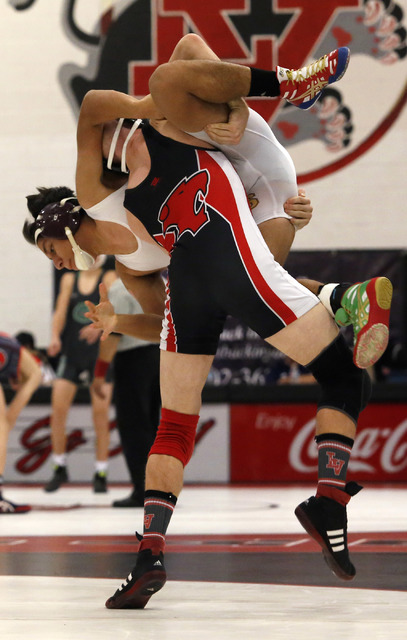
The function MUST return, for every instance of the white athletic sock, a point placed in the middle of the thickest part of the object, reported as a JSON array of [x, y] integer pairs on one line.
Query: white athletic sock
[[101, 466], [59, 459], [325, 296]]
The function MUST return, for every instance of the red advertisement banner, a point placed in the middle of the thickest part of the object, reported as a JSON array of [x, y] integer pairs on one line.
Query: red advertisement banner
[[275, 443]]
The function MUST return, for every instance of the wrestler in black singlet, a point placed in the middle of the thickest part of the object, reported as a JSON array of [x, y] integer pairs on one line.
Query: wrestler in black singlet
[[78, 358], [193, 203], [10, 351]]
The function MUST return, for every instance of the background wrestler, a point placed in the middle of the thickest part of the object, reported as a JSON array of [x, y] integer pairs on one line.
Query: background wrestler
[[20, 369], [76, 344]]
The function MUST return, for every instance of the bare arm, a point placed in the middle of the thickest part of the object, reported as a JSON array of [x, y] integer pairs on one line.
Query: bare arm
[[300, 209], [99, 107], [30, 375], [107, 351], [278, 234], [145, 326], [147, 288], [61, 308]]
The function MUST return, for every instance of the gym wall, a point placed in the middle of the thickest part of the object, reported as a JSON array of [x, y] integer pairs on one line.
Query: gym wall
[[349, 151]]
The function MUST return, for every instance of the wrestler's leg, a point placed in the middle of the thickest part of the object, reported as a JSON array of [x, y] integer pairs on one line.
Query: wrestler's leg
[[100, 414], [178, 86], [365, 305], [4, 432], [6, 506], [345, 391], [63, 393], [303, 341], [182, 377], [192, 47], [62, 396]]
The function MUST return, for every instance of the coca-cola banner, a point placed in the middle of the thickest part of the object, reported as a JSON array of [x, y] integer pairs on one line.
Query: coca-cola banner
[[275, 443]]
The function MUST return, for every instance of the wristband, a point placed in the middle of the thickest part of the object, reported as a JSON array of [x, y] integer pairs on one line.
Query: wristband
[[101, 368]]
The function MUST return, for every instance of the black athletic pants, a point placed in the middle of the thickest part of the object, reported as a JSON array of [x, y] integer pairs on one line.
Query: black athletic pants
[[137, 400]]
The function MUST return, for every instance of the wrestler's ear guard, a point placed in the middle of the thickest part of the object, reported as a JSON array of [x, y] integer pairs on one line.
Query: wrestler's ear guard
[[83, 260]]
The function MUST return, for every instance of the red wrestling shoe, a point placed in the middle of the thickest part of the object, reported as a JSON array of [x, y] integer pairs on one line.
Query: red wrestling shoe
[[303, 87]]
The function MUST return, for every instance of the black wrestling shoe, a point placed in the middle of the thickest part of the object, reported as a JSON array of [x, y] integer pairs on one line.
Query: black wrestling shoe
[[326, 521], [7, 507], [147, 577], [100, 482], [131, 502], [59, 478]]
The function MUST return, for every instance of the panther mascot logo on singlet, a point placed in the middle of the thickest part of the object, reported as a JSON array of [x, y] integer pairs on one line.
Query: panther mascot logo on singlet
[[185, 208], [3, 359], [132, 37]]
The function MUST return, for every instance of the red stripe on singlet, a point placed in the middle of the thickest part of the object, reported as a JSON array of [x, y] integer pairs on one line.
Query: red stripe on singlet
[[171, 339], [222, 198]]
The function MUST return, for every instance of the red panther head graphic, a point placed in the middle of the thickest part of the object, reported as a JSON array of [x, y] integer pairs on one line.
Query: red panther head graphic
[[185, 208]]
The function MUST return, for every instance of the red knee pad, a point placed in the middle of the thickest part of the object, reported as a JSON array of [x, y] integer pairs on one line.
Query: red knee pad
[[176, 435]]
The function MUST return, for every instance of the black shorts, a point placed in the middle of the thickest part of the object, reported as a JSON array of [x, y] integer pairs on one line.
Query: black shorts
[[227, 269], [80, 373]]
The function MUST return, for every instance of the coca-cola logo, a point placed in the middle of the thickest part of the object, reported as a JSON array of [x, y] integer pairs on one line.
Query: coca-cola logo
[[375, 448]]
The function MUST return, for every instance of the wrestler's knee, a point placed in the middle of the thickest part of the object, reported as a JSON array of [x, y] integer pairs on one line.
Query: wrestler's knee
[[189, 47], [176, 435], [344, 386]]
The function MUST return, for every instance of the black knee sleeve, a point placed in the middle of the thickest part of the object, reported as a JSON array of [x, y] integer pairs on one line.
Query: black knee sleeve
[[344, 386]]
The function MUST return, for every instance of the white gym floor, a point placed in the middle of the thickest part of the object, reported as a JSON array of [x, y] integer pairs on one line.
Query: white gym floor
[[239, 566]]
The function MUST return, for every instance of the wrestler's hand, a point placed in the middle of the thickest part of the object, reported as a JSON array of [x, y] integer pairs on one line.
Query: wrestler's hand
[[102, 315], [54, 347], [98, 387], [89, 333], [300, 209], [230, 132], [149, 108]]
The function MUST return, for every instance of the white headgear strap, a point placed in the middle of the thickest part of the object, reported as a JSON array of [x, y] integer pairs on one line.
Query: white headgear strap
[[83, 260], [113, 144], [65, 200], [36, 234], [135, 126]]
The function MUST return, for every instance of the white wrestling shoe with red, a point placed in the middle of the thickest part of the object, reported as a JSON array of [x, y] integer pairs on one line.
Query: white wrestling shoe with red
[[303, 87], [7, 507]]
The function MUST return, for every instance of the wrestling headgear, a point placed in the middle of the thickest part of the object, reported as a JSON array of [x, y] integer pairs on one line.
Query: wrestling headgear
[[61, 220], [53, 218]]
